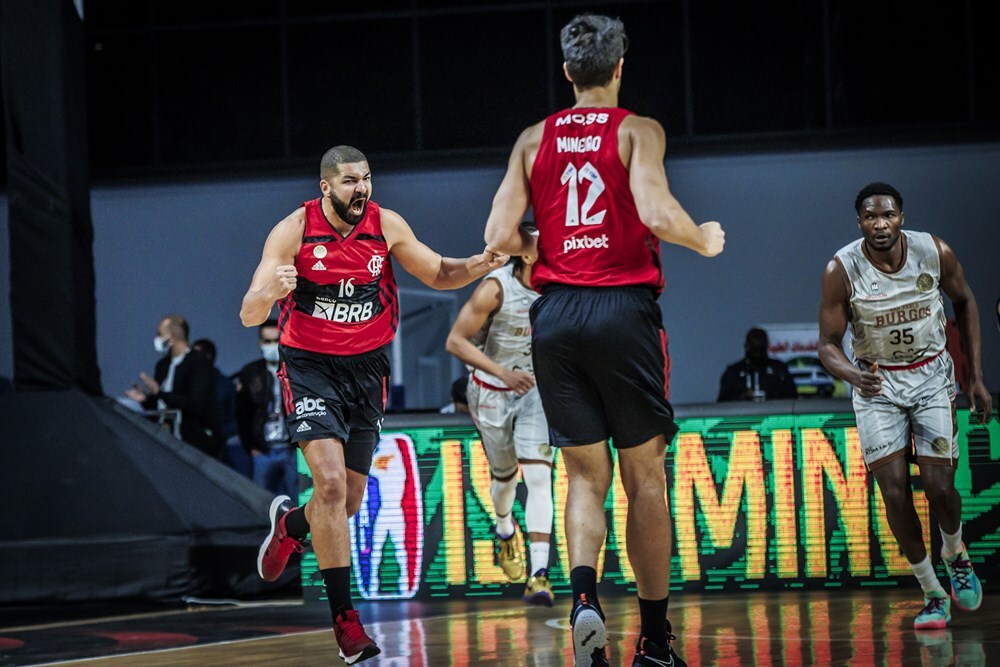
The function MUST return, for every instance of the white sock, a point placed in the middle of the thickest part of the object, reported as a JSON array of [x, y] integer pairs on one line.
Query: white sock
[[539, 556], [924, 572], [951, 544], [505, 526], [502, 494]]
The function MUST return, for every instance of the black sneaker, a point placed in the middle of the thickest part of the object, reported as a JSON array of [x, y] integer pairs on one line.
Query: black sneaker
[[648, 654], [589, 634]]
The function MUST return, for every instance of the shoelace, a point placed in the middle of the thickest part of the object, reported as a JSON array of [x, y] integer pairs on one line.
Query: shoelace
[[287, 544], [961, 570], [934, 605]]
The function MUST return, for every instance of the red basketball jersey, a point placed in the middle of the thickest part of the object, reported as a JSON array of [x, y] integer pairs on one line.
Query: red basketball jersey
[[345, 300], [589, 231]]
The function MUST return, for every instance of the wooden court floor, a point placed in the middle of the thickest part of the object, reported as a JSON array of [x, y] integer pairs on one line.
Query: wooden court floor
[[867, 627]]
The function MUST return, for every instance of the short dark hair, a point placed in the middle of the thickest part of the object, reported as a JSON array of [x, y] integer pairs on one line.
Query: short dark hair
[[177, 324], [592, 45], [877, 188], [757, 334], [206, 347], [517, 261], [336, 156], [271, 322]]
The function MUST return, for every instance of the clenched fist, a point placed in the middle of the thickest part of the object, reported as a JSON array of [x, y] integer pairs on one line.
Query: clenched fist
[[284, 280], [490, 259], [713, 238]]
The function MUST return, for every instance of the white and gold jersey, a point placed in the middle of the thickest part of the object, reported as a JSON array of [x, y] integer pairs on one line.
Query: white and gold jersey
[[508, 340], [897, 319]]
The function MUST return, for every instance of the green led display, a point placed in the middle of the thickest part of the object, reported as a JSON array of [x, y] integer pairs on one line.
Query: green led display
[[762, 502]]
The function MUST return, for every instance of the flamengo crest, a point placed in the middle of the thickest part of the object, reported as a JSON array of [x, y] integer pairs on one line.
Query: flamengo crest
[[375, 265]]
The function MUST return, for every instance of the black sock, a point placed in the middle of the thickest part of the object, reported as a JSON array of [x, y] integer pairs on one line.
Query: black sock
[[338, 588], [653, 615], [583, 579], [295, 523]]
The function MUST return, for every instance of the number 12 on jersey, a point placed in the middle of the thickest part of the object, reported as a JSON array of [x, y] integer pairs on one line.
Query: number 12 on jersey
[[574, 211]]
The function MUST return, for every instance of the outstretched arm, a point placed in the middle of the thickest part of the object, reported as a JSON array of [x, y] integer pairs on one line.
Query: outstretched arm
[[832, 325], [967, 317], [275, 275], [429, 267], [658, 209], [503, 230]]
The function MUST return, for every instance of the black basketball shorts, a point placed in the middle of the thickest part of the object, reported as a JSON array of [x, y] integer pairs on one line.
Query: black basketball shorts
[[340, 397], [601, 365]]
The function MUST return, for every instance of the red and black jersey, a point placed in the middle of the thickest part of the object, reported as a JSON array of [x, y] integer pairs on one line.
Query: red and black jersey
[[589, 231], [345, 301]]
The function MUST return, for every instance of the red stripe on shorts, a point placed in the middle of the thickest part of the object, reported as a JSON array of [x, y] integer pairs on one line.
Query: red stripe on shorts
[[666, 364], [922, 362]]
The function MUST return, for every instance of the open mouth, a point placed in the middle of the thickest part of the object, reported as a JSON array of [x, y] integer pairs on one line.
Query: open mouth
[[358, 205]]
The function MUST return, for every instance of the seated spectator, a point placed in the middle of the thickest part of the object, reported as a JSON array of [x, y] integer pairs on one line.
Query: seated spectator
[[260, 415], [224, 423], [182, 380], [459, 397], [756, 377]]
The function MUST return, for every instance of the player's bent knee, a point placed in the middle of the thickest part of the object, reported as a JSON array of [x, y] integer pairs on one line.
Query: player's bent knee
[[937, 494], [330, 486], [895, 497]]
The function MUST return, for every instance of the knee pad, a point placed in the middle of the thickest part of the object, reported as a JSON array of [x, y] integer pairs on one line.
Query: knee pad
[[538, 507]]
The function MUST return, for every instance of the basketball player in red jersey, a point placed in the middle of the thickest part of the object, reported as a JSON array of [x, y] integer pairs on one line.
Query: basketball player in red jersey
[[330, 265], [595, 177]]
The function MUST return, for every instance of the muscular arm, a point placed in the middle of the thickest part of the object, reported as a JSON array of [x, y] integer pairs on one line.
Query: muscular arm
[[967, 317], [275, 274], [475, 314], [658, 209], [833, 321], [429, 267], [513, 197]]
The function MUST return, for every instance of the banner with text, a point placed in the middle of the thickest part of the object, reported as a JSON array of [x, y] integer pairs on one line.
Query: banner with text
[[778, 501]]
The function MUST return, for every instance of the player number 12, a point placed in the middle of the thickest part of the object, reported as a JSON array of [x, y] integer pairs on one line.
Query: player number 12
[[574, 212]]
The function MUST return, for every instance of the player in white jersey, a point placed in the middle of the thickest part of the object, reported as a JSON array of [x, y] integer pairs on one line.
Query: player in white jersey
[[888, 286], [505, 405]]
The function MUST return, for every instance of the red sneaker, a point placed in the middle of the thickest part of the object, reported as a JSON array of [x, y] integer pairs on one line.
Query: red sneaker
[[355, 644], [278, 545]]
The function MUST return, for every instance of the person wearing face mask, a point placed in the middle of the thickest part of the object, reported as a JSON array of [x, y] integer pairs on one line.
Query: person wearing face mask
[[756, 377], [260, 415], [182, 380]]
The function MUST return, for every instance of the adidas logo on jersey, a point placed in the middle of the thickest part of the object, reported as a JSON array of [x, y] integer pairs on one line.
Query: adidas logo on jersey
[[303, 427], [319, 266]]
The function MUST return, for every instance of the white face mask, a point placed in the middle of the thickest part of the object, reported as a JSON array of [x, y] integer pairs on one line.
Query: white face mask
[[270, 352], [161, 345]]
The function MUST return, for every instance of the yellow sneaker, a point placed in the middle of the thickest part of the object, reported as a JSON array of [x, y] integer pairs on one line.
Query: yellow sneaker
[[539, 590], [509, 558]]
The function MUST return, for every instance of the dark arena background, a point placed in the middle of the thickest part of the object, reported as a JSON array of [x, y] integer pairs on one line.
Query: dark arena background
[[149, 147]]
